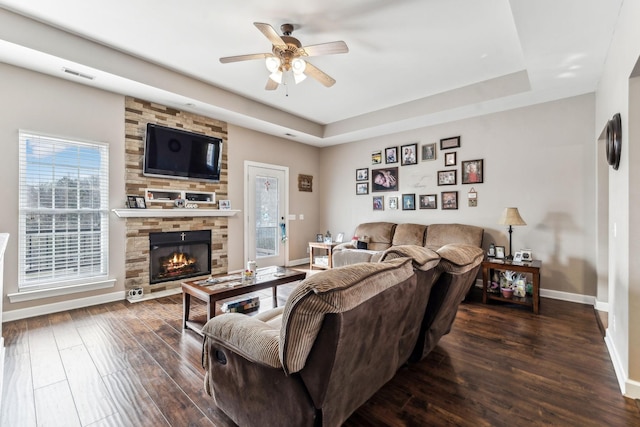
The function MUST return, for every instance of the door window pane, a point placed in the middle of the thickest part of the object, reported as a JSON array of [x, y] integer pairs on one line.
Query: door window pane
[[267, 216]]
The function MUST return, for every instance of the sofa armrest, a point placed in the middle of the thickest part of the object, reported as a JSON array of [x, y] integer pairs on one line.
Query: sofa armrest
[[251, 338], [343, 246]]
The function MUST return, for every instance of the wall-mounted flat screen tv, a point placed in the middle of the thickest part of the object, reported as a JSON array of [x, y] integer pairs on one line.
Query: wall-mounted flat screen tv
[[175, 153]]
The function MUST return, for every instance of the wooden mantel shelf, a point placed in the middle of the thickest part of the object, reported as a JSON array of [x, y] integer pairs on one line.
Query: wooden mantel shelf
[[171, 213]]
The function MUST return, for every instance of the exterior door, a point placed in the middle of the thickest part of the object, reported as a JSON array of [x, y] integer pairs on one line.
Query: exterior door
[[266, 195]]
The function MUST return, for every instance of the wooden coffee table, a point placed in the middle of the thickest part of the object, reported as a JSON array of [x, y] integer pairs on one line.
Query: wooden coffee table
[[222, 287]]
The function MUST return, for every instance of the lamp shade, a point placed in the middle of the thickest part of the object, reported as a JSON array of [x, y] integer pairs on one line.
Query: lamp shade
[[511, 216]]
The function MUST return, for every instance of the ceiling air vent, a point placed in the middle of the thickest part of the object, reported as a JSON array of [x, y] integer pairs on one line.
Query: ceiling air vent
[[77, 73]]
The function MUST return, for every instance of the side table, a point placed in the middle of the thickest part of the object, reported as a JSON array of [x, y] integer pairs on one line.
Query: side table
[[532, 268], [327, 249]]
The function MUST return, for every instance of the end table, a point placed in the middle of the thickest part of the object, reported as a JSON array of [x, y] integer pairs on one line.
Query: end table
[[532, 268], [328, 250]]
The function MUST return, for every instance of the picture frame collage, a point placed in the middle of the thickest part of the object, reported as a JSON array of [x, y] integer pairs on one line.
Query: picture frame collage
[[387, 163]]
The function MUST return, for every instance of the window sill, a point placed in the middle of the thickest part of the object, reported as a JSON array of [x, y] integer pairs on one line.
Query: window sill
[[62, 290]]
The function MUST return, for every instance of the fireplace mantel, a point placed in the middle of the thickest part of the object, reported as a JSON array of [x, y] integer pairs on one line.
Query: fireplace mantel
[[172, 213]]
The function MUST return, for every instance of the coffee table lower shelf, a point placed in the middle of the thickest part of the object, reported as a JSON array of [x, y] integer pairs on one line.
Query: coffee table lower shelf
[[268, 277]]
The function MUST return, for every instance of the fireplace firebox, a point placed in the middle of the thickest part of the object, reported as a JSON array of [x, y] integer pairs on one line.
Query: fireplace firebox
[[178, 255]]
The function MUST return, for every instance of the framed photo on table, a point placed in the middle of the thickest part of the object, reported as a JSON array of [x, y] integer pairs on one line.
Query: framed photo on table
[[500, 252]]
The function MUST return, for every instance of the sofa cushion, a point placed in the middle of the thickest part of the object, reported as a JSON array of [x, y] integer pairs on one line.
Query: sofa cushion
[[458, 259], [380, 234], [422, 258], [331, 291], [409, 234], [439, 235], [351, 256]]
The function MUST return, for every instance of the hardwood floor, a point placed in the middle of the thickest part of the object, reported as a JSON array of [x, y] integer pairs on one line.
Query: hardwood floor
[[123, 364]]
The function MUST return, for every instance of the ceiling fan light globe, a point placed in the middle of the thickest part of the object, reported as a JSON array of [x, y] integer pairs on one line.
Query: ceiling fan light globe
[[298, 65], [272, 64], [276, 76]]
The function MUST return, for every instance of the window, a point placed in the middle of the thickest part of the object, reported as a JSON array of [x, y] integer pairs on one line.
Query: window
[[63, 209]]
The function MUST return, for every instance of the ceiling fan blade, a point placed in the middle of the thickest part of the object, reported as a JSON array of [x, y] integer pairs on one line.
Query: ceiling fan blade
[[270, 33], [330, 48], [271, 85], [238, 58], [312, 71]]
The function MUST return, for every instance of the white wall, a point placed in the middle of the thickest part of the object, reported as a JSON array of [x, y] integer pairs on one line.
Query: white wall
[[539, 159], [40, 103], [613, 96]]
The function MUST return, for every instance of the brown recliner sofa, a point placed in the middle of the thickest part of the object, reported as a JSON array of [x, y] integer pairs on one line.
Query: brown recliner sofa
[[342, 334], [454, 276], [381, 236]]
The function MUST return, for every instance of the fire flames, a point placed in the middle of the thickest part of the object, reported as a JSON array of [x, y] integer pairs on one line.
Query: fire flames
[[177, 264]]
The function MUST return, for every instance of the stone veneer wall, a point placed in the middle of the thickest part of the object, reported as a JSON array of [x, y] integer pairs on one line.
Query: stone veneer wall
[[137, 114]]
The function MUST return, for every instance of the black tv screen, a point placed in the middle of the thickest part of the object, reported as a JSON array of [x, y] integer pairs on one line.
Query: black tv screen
[[176, 153]]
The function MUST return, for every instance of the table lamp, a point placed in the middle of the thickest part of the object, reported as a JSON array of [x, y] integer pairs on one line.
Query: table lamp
[[511, 217]]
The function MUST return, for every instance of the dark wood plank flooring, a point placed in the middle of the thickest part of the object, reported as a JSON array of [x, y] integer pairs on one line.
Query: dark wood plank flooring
[[123, 364]]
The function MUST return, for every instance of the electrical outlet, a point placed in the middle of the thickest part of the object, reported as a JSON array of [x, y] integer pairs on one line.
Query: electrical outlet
[[307, 249], [301, 216]]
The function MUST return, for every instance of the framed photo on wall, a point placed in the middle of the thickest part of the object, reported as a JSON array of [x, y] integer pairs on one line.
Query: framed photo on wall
[[429, 201], [409, 154], [448, 177], [362, 188], [449, 199], [447, 143], [378, 203], [450, 159], [391, 155], [393, 203], [384, 179], [376, 157], [473, 171], [429, 151], [362, 174], [408, 202]]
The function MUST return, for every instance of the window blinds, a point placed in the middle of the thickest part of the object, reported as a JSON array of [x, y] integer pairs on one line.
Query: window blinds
[[63, 211]]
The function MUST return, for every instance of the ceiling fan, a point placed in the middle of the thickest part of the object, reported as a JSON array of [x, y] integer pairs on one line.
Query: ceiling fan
[[287, 55]]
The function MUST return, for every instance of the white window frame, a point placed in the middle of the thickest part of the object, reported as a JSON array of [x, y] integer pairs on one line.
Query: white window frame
[[71, 272]]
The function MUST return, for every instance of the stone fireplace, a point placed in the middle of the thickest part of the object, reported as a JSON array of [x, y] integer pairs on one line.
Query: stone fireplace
[[179, 255], [138, 271]]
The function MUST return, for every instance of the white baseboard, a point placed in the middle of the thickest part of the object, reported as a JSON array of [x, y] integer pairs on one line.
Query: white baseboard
[[621, 375], [632, 389], [2, 352], [57, 307], [296, 262], [601, 306], [567, 296]]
